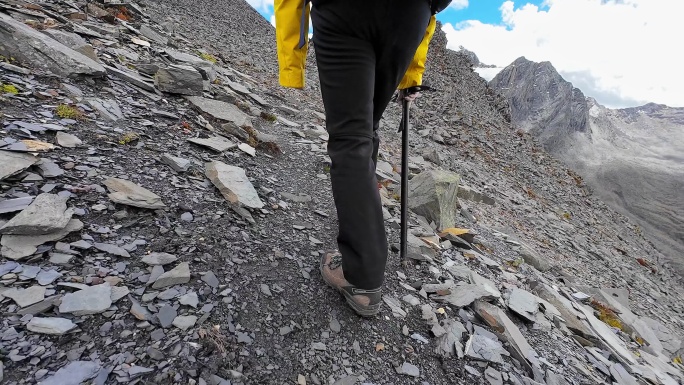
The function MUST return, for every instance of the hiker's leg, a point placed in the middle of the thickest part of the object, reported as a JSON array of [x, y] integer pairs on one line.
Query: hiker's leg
[[346, 67], [404, 28]]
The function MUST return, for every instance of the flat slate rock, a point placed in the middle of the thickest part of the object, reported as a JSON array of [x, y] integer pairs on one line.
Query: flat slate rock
[[130, 77], [112, 249], [155, 259], [176, 163], [464, 294], [28, 45], [20, 246], [180, 274], [46, 214], [14, 205], [12, 163], [130, 194], [67, 140], [233, 184], [179, 79], [108, 108], [26, 297], [50, 325], [216, 143], [90, 300], [524, 304], [221, 110], [74, 373]]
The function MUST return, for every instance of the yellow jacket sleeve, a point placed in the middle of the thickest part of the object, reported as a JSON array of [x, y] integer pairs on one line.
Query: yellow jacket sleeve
[[414, 74], [292, 35]]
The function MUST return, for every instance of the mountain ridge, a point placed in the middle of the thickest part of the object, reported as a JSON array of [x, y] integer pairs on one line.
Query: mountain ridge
[[630, 156]]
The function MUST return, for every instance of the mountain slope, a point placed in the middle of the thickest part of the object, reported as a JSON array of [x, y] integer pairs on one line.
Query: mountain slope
[[542, 102], [631, 157]]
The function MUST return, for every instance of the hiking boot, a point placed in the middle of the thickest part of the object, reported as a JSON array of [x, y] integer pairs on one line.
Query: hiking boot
[[365, 303]]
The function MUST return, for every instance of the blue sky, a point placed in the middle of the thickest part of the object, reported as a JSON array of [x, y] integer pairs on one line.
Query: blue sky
[[623, 53], [486, 11]]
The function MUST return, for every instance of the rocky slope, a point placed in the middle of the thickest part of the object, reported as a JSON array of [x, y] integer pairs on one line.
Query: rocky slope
[[630, 157], [163, 224]]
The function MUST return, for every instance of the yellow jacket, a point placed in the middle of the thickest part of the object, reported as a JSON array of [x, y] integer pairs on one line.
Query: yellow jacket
[[292, 35]]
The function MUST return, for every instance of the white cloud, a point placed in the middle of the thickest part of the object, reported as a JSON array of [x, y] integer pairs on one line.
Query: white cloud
[[458, 4], [261, 5], [623, 52]]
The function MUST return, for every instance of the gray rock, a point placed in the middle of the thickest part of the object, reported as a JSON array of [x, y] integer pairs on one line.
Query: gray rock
[[464, 294], [217, 143], [130, 77], [129, 193], [73, 41], [210, 279], [318, 346], [179, 79], [187, 217], [107, 108], [46, 277], [90, 300], [497, 319], [493, 376], [49, 169], [159, 259], [482, 348], [139, 311], [523, 303], [432, 194], [176, 163], [151, 34], [469, 194], [136, 371], [20, 246], [477, 279], [180, 274], [189, 299], [221, 110], [233, 184], [74, 373], [185, 322], [29, 272], [16, 204], [409, 370], [237, 87], [26, 297], [166, 316], [68, 140], [565, 308], [50, 325], [30, 46], [621, 375], [112, 249], [450, 343], [533, 259], [119, 292]]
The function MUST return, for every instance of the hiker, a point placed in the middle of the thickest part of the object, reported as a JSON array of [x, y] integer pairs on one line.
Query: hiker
[[365, 51]]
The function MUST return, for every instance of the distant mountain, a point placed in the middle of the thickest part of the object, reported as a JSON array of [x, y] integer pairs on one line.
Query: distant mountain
[[542, 102], [633, 157]]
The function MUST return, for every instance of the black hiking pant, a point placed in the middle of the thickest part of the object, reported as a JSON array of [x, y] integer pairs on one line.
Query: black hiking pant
[[363, 48]]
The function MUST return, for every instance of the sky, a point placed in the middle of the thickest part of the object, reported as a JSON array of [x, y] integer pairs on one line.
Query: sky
[[623, 53]]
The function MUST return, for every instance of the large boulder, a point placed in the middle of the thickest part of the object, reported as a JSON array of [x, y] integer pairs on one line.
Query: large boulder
[[432, 194], [38, 50]]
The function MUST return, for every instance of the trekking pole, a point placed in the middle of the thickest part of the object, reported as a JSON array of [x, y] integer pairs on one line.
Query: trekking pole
[[404, 127]]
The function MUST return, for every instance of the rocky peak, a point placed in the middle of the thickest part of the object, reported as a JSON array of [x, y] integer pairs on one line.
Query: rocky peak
[[542, 102]]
